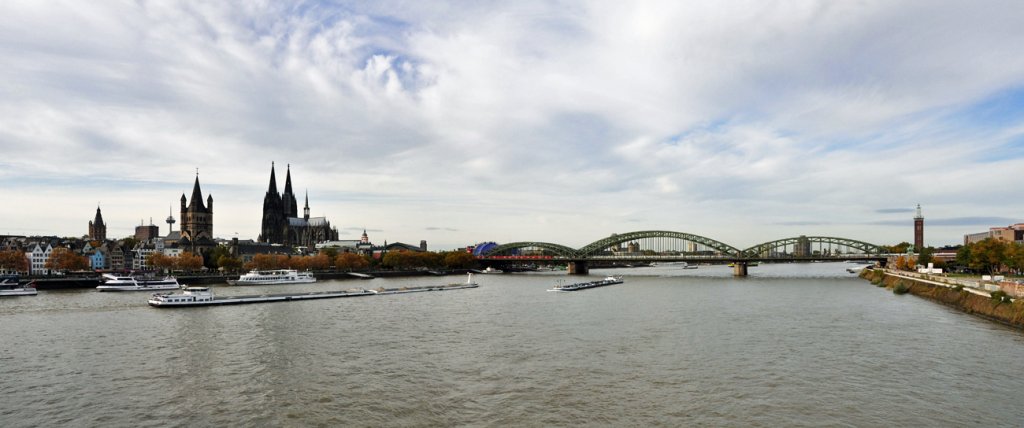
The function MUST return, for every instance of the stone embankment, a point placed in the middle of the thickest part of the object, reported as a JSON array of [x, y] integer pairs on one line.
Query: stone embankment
[[993, 305]]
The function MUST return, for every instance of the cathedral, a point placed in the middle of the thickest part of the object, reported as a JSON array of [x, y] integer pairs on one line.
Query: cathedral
[[281, 221]]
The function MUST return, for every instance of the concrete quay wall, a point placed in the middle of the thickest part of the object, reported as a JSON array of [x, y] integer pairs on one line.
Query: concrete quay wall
[[972, 300]]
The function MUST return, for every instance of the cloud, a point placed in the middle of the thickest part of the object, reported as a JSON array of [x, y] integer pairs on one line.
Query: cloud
[[524, 120], [894, 210], [985, 222]]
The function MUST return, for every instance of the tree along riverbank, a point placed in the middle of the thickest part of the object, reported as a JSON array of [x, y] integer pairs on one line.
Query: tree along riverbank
[[995, 306]]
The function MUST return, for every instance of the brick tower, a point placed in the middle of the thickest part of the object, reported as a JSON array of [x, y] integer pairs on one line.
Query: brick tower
[[918, 230]]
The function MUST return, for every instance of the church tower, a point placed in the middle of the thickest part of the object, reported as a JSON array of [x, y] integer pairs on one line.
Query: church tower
[[274, 222], [197, 218], [97, 228], [918, 230], [288, 201]]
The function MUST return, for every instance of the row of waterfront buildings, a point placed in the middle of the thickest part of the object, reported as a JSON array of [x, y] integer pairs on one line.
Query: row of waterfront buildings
[[282, 231]]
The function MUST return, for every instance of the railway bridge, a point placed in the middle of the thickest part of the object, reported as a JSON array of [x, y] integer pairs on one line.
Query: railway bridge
[[668, 246]]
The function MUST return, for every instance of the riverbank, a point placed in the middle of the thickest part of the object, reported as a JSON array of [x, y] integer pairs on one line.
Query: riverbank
[[990, 305], [70, 282]]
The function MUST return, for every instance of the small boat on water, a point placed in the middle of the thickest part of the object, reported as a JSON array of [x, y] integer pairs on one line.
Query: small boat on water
[[12, 285], [491, 270], [270, 277], [609, 280], [133, 283]]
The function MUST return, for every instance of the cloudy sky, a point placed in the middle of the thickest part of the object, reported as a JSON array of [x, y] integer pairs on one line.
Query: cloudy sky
[[562, 121]]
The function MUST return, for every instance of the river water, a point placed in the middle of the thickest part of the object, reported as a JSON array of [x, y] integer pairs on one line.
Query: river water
[[790, 345]]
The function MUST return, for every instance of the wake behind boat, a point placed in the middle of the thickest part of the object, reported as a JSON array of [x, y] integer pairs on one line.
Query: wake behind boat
[[132, 283], [12, 285], [590, 284], [269, 277]]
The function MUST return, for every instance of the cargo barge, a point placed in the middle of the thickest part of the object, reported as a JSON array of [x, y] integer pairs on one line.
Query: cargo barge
[[203, 296]]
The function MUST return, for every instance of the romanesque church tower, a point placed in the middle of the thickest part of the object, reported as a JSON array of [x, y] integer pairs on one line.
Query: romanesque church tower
[[97, 228], [197, 219]]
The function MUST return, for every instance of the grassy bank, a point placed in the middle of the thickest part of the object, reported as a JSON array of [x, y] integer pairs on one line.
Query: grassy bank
[[996, 308]]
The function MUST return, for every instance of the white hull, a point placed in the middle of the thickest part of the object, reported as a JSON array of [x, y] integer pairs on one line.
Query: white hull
[[130, 283], [173, 286], [274, 277], [269, 281], [19, 292]]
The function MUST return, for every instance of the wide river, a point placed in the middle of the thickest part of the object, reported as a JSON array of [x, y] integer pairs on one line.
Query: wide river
[[790, 345]]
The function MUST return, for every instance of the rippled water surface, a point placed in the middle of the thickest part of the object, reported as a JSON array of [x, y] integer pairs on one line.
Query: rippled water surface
[[791, 345]]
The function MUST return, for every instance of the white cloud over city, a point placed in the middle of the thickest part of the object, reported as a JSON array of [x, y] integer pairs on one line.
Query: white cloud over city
[[558, 121]]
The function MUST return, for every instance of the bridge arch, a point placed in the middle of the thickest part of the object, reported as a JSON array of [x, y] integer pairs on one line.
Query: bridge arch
[[598, 246], [802, 246], [508, 249]]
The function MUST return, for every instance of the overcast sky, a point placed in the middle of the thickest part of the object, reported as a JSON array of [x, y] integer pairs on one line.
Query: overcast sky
[[557, 121]]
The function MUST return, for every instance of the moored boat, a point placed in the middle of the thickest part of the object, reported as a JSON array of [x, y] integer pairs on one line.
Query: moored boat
[[132, 283], [270, 277], [12, 285]]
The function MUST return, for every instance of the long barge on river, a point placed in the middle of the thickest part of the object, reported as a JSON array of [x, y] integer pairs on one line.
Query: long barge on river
[[589, 284], [203, 296]]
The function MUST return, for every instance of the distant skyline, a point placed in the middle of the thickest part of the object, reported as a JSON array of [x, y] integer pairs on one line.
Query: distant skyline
[[460, 122]]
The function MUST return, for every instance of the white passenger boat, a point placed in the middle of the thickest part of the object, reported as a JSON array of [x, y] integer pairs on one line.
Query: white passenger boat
[[609, 280], [133, 283], [11, 285], [279, 276]]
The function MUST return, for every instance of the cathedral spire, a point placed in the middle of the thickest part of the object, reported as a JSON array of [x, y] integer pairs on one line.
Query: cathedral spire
[[291, 206], [305, 211], [288, 180], [273, 181]]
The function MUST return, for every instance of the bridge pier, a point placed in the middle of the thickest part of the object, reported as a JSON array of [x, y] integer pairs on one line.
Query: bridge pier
[[578, 268], [739, 269]]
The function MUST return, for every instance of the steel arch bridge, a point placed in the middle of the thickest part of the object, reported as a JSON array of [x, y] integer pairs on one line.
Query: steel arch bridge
[[669, 246], [803, 247], [596, 247], [512, 248]]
